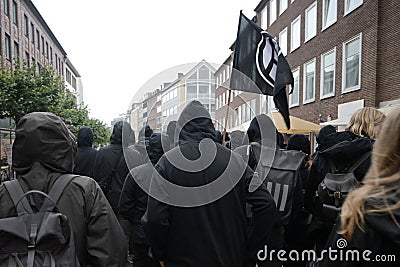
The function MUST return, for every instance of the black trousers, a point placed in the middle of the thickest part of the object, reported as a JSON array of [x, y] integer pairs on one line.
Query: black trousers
[[141, 256]]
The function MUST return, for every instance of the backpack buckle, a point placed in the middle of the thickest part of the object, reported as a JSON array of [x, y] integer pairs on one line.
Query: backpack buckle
[[337, 195]]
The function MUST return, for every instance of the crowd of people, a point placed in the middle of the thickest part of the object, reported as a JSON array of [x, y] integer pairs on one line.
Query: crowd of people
[[191, 196]]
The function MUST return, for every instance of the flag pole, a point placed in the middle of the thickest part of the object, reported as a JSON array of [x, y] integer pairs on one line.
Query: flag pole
[[266, 104], [226, 116]]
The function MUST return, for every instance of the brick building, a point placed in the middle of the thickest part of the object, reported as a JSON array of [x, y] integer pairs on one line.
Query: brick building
[[344, 54], [26, 38]]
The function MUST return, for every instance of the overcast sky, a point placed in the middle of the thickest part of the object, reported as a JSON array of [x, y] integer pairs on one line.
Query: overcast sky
[[117, 46]]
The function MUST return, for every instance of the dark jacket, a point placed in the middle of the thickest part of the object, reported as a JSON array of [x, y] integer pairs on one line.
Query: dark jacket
[[86, 154], [344, 150], [133, 201], [115, 160], [212, 234], [380, 235], [99, 239]]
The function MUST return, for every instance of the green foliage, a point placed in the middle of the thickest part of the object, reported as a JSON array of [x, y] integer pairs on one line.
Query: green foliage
[[25, 90]]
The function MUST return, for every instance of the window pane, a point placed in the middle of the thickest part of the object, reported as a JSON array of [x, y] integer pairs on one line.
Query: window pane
[[283, 4], [329, 12], [295, 34], [203, 73], [311, 22], [264, 18], [283, 42], [309, 82], [328, 73], [352, 63], [272, 10], [294, 97]]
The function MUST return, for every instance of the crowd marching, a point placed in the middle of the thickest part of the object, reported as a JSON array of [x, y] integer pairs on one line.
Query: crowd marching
[[191, 196]]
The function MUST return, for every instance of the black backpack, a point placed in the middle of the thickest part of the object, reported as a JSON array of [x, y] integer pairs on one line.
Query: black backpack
[[279, 170], [335, 187], [33, 239]]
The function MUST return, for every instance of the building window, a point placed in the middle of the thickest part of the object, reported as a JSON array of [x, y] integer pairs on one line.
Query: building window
[[51, 55], [351, 64], [32, 34], [74, 82], [8, 46], [283, 4], [16, 51], [15, 12], [272, 11], [27, 59], [294, 97], [6, 7], [350, 5], [311, 22], [295, 34], [309, 82], [26, 26], [283, 41], [264, 18], [42, 45], [47, 50], [328, 64], [38, 40], [329, 13], [271, 104]]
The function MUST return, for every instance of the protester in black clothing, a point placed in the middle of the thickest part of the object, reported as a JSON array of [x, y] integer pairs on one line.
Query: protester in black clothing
[[43, 150], [238, 138], [324, 139], [194, 233], [171, 128], [220, 138], [140, 146], [371, 214], [133, 201], [345, 149], [86, 154]]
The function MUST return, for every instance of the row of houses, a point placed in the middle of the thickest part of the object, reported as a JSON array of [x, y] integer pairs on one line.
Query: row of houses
[[344, 55], [25, 38]]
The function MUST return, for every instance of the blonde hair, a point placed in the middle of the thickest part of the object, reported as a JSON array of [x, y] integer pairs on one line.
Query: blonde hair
[[363, 121], [380, 185]]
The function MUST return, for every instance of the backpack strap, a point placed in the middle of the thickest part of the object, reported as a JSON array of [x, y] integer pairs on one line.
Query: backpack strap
[[359, 162], [17, 196], [56, 191]]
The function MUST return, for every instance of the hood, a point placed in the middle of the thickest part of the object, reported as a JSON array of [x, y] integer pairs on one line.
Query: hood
[[85, 137], [299, 142], [171, 128], [44, 138], [324, 133], [238, 138], [347, 146], [122, 134], [266, 134], [195, 124], [145, 133], [155, 147]]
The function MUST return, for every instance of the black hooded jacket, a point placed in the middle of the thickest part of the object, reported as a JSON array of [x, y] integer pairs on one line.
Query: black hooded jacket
[[118, 157], [380, 235], [344, 149], [213, 234], [133, 201], [86, 154], [43, 150]]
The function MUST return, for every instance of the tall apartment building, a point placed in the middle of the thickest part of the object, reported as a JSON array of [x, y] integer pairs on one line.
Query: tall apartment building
[[344, 54], [26, 38]]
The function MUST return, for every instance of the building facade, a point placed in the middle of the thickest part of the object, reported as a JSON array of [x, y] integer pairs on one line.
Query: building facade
[[27, 39]]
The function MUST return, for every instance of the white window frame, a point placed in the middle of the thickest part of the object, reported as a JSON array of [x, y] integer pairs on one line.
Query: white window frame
[[321, 89], [306, 37], [281, 10], [293, 48], [357, 87], [264, 18], [305, 81], [284, 31], [291, 102], [325, 26], [272, 11], [346, 7]]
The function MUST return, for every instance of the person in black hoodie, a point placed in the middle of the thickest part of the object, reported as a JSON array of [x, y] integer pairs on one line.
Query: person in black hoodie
[[133, 201], [371, 214], [196, 227], [86, 154], [344, 150]]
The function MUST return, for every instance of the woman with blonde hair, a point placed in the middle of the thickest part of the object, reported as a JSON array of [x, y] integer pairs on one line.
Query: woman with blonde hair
[[346, 150], [370, 218]]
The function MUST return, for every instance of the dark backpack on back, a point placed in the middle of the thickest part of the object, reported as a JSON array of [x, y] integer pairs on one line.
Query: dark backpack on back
[[33, 239], [279, 170], [335, 187]]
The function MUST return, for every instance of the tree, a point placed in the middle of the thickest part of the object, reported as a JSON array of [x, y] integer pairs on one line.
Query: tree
[[25, 90]]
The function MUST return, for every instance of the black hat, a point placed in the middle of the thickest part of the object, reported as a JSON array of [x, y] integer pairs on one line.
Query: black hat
[[299, 142]]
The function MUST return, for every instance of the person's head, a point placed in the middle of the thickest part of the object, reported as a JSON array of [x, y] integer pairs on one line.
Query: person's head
[[382, 179], [299, 142], [122, 134], [42, 137], [262, 130], [145, 133], [237, 139], [171, 128], [324, 133], [155, 146], [220, 137], [366, 122], [85, 137]]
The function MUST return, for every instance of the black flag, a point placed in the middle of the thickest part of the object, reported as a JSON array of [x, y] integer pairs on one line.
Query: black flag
[[257, 55]]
